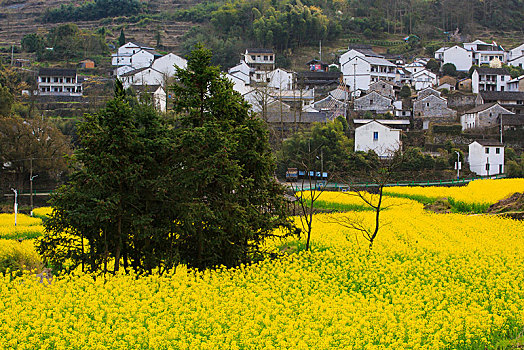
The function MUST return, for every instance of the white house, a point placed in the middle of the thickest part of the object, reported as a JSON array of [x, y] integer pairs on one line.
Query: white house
[[143, 76], [517, 61], [242, 71], [516, 52], [58, 82], [262, 61], [166, 64], [489, 79], [359, 72], [485, 115], [281, 79], [238, 84], [486, 157], [516, 84], [459, 56], [423, 79], [383, 140], [156, 93], [414, 67], [123, 55], [484, 53], [439, 54]]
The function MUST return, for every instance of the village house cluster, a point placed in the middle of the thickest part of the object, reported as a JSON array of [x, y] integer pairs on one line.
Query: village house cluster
[[364, 88]]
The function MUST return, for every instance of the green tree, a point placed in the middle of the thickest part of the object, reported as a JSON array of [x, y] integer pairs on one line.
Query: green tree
[[227, 196], [449, 69], [121, 38], [433, 65], [405, 91], [6, 101], [117, 205], [33, 43]]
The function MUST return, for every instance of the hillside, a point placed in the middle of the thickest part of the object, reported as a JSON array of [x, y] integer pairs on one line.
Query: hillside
[[21, 17]]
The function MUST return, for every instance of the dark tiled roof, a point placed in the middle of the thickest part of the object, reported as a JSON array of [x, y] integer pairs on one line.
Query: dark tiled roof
[[502, 95], [512, 119], [481, 108], [490, 143], [300, 118], [319, 75], [57, 72], [498, 71], [134, 71], [259, 50]]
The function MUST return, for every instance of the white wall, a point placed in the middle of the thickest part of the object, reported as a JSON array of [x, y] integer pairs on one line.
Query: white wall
[[142, 59], [145, 77], [166, 64], [468, 121], [460, 57], [478, 158], [357, 72], [280, 79], [387, 143]]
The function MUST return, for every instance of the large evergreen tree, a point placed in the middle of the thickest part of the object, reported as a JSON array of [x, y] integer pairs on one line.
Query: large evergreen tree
[[117, 205], [227, 196]]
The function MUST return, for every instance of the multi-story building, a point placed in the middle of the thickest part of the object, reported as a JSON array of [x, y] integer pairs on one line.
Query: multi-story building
[[489, 79], [361, 71], [486, 157], [262, 61], [484, 53], [58, 82]]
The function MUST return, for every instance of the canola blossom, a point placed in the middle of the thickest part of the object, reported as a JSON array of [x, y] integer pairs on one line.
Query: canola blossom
[[26, 227], [479, 192], [432, 281]]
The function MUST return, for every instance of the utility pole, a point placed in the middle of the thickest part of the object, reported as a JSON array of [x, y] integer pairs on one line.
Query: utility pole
[[12, 54], [320, 51], [16, 202], [458, 165], [500, 116]]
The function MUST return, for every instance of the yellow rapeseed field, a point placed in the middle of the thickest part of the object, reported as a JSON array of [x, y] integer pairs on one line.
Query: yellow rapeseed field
[[27, 227], [476, 192], [432, 281]]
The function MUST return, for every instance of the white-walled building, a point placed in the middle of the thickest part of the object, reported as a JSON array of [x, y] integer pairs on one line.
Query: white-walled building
[[124, 53], [489, 79], [156, 93], [166, 64], [516, 84], [485, 115], [459, 56], [242, 71], [359, 72], [415, 67], [423, 79], [58, 82], [143, 76], [262, 61], [484, 53], [516, 56], [383, 140], [486, 157], [281, 79]]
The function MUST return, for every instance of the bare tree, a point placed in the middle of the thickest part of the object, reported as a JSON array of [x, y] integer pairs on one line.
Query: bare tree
[[310, 189], [380, 176]]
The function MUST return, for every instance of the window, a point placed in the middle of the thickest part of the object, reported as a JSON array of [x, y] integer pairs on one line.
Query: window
[[500, 169], [502, 88], [427, 104], [487, 150], [497, 150], [502, 78], [265, 58], [253, 57], [375, 135], [370, 102]]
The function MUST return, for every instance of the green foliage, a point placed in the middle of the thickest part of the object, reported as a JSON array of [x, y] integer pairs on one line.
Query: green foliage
[[514, 71], [455, 129], [328, 139], [515, 166], [117, 205], [405, 91], [122, 38], [228, 200], [433, 65], [65, 41], [449, 69], [6, 101], [33, 43], [94, 10]]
